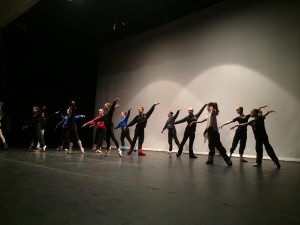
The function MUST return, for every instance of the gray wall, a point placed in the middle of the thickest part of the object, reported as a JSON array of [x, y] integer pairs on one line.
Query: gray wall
[[239, 53]]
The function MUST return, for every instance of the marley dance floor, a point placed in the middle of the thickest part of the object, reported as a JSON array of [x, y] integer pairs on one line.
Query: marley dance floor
[[54, 188]]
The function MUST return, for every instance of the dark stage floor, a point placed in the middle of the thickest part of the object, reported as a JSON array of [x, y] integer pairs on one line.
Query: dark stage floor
[[53, 188]]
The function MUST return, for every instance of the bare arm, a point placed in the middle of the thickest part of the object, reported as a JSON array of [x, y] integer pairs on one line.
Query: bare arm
[[200, 121], [267, 113], [262, 107], [228, 122], [239, 125]]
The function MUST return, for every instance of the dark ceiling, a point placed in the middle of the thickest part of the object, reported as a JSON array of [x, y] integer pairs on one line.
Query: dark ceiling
[[52, 48], [90, 22]]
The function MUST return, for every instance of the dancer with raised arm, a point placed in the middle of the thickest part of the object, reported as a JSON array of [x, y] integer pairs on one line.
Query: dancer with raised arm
[[189, 132], [213, 134], [240, 135], [99, 132], [125, 133], [261, 136], [139, 133], [72, 134], [107, 118], [64, 139], [172, 134]]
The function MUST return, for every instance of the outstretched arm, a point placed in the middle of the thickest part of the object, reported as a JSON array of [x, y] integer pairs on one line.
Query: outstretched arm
[[177, 113], [148, 114], [240, 125], [262, 107], [267, 113], [200, 121], [228, 122], [180, 121], [165, 127], [134, 121], [201, 110]]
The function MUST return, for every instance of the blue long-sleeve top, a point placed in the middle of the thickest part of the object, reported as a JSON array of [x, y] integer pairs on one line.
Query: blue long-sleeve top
[[170, 122], [63, 122], [72, 116], [123, 123]]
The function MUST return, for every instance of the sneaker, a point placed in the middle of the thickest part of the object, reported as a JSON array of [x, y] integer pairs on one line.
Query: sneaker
[[256, 164], [82, 150], [120, 152], [140, 152], [243, 160], [277, 164], [59, 148], [98, 151], [44, 148], [129, 151]]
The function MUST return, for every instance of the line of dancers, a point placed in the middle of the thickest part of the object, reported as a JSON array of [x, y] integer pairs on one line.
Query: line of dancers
[[105, 131]]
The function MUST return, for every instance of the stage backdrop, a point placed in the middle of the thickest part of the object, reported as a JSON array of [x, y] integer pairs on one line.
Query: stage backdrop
[[241, 53]]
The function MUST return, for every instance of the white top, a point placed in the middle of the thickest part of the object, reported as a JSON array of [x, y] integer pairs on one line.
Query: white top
[[212, 120]]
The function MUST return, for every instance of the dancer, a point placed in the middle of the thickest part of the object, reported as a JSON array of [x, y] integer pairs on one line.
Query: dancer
[[172, 134], [36, 129], [99, 132], [125, 133], [5, 146], [43, 121], [240, 135], [261, 136], [64, 140], [71, 133], [139, 133], [189, 132], [107, 118], [213, 134]]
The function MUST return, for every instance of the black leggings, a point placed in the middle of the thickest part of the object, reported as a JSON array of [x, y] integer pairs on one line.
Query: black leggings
[[125, 134], [139, 133], [239, 137], [172, 135], [214, 142], [269, 149], [187, 135]]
